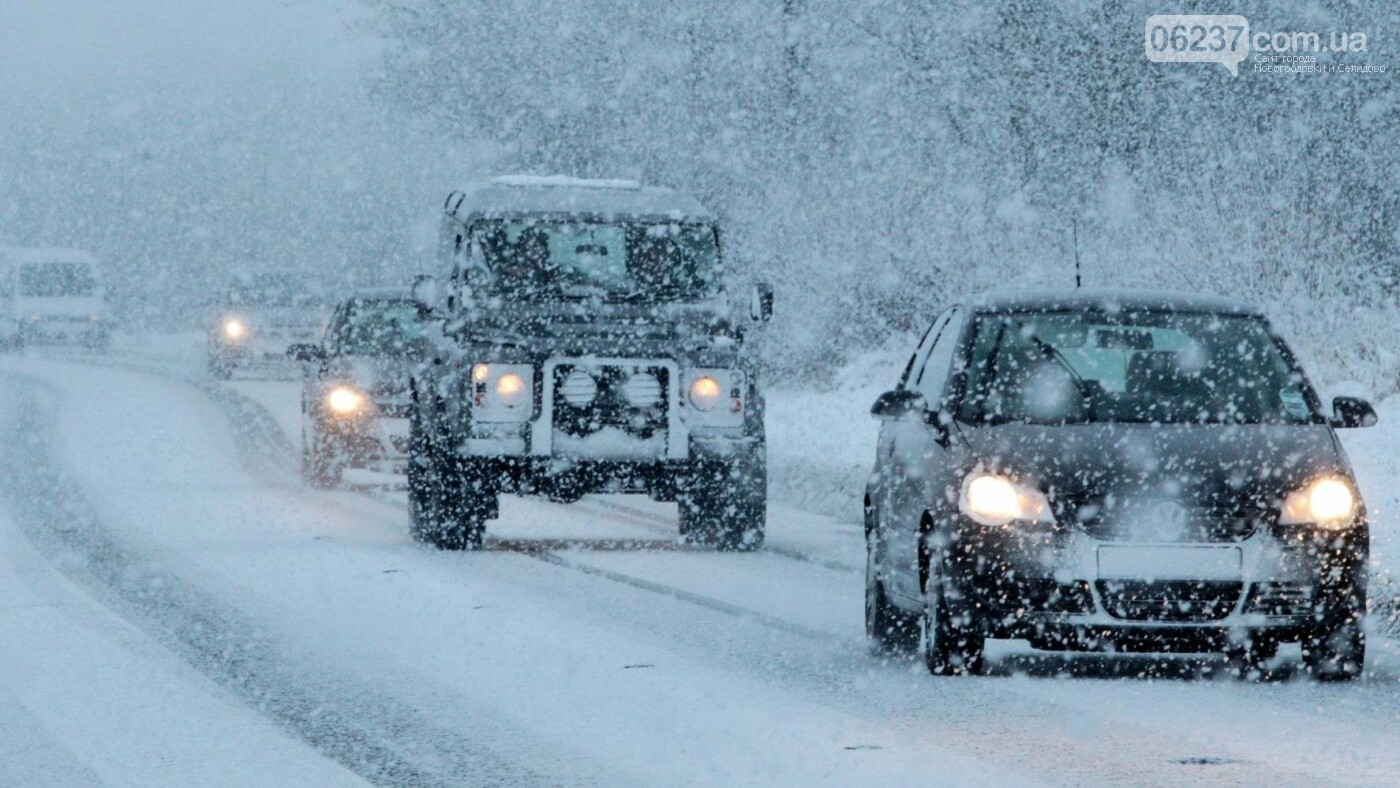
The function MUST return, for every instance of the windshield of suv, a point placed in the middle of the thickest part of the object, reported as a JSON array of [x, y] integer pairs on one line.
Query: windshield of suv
[[57, 280], [530, 258], [1148, 367], [375, 328]]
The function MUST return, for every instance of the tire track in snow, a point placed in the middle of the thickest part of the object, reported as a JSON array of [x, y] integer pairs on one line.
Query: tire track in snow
[[377, 737]]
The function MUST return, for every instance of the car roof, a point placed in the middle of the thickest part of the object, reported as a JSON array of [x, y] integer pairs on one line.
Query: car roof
[[381, 294], [1103, 299], [513, 195], [39, 255]]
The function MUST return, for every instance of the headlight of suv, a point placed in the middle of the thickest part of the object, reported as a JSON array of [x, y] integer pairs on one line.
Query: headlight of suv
[[345, 401], [715, 396], [502, 392], [996, 500], [234, 330], [1328, 501]]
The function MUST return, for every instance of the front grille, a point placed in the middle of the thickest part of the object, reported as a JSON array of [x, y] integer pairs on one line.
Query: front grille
[[589, 398], [1171, 601], [1162, 521], [1280, 599]]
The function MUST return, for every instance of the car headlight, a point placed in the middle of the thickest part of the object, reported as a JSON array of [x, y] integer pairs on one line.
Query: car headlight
[[716, 397], [502, 392], [510, 390], [705, 393], [345, 401], [234, 329], [1328, 501], [995, 500]]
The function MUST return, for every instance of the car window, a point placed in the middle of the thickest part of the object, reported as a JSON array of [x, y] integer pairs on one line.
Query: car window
[[934, 373], [377, 328], [1145, 367]]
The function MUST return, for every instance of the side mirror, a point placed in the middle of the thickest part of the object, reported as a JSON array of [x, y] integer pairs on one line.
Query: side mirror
[[425, 293], [898, 404], [761, 302], [1353, 412], [306, 352]]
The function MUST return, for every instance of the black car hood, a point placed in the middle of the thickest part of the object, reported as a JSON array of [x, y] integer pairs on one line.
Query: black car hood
[[1206, 464]]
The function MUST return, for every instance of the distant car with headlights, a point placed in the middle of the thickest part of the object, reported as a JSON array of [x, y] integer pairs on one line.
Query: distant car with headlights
[[52, 295], [1114, 470], [355, 398], [590, 342], [259, 317]]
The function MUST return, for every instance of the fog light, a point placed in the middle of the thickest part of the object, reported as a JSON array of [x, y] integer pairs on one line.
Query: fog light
[[579, 389]]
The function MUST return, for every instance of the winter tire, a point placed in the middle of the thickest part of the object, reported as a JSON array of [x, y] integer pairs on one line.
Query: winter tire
[[726, 505]]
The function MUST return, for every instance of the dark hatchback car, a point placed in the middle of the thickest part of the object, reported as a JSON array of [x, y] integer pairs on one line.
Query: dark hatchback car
[[1114, 470]]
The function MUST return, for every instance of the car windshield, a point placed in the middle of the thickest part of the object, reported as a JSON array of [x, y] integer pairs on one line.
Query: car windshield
[[532, 258], [376, 328], [57, 280], [273, 290], [1148, 367]]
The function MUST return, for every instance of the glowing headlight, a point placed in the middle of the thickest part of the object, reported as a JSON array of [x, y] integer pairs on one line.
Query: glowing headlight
[[511, 391], [1326, 501], [705, 393], [502, 392], [234, 329], [343, 400], [996, 500]]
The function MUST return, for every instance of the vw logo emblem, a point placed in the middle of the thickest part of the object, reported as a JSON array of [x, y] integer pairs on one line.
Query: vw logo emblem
[[1169, 519]]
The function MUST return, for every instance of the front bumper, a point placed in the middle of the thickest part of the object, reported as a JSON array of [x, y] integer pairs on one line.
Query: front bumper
[[1061, 588], [378, 443]]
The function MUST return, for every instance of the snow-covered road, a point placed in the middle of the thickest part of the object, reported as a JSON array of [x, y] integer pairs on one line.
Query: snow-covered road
[[169, 583]]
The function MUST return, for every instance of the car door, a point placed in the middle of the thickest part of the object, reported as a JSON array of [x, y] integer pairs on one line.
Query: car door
[[920, 456]]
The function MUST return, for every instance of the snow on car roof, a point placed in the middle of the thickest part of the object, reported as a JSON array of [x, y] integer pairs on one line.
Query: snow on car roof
[[386, 293], [21, 255], [556, 194], [1107, 299], [565, 180]]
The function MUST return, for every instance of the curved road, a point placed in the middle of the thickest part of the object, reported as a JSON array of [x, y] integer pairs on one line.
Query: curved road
[[584, 646]]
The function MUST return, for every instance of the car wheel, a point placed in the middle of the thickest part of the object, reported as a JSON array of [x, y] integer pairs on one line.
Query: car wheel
[[443, 509], [950, 647], [726, 505], [1250, 659], [1336, 649], [889, 629], [321, 465]]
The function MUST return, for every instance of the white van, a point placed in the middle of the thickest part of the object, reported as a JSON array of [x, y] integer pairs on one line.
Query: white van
[[53, 295]]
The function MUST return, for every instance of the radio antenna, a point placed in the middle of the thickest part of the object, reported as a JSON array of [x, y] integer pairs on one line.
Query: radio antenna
[[1074, 231]]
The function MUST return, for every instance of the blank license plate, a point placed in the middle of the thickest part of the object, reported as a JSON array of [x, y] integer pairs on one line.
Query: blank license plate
[[1169, 563]]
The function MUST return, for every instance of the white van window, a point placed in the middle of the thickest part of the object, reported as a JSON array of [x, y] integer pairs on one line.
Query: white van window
[[56, 280]]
